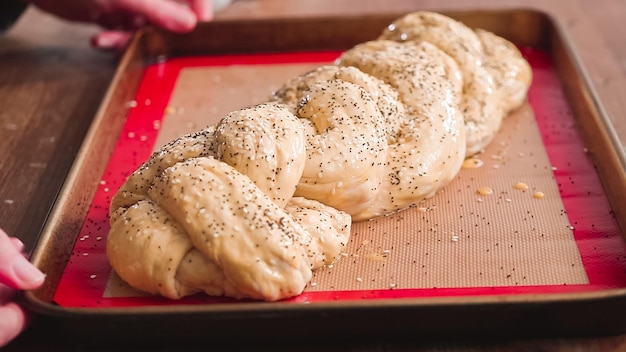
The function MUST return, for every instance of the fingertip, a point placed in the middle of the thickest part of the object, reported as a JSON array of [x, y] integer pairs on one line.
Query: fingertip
[[204, 9], [17, 244], [174, 16], [111, 40], [182, 21], [15, 270], [26, 276]]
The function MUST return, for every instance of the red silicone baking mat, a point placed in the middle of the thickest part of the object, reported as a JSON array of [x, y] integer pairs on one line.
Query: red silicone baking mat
[[597, 255]]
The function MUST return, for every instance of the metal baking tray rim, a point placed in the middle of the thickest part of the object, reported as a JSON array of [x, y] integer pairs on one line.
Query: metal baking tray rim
[[129, 69]]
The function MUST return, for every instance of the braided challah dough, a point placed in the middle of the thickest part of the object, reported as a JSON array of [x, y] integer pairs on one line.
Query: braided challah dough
[[486, 97], [429, 148], [265, 142], [249, 207], [386, 98]]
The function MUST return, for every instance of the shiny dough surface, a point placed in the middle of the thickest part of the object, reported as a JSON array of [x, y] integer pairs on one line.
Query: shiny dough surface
[[251, 206]]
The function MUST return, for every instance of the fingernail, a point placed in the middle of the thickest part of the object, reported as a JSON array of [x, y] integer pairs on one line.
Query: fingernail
[[19, 245], [27, 273]]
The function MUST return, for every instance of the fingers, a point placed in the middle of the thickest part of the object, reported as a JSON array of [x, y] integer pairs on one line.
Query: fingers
[[15, 270], [12, 323], [170, 15], [111, 40], [117, 40]]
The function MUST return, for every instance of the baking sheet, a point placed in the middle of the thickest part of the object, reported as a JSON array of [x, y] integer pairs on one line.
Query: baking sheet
[[508, 247], [457, 243]]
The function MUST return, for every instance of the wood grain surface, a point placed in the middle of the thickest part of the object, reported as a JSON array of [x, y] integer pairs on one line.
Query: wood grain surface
[[52, 82]]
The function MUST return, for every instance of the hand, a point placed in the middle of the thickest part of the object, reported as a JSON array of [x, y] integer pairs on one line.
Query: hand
[[16, 273], [122, 17]]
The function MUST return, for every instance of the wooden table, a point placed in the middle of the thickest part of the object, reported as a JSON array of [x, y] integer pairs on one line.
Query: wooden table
[[52, 82]]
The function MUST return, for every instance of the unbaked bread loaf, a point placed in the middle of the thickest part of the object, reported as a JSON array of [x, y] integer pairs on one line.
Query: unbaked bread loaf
[[250, 207]]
